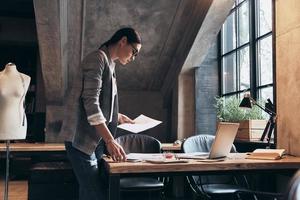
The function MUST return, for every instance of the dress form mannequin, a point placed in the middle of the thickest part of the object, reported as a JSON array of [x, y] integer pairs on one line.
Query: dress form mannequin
[[13, 87], [13, 124]]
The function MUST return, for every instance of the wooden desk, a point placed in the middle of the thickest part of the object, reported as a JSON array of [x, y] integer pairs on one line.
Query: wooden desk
[[33, 147], [24, 155], [40, 147], [235, 163]]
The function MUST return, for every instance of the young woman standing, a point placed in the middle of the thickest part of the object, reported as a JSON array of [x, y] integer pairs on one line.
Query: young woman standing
[[92, 113]]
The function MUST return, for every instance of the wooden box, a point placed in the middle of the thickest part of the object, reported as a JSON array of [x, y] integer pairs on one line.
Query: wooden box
[[251, 130]]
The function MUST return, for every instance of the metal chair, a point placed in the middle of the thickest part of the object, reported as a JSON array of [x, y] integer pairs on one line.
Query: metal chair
[[292, 192], [212, 186], [137, 143]]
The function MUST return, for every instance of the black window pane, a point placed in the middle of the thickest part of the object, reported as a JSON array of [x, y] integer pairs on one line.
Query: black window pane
[[243, 26], [229, 34], [244, 66], [264, 17], [265, 61], [229, 73], [266, 93]]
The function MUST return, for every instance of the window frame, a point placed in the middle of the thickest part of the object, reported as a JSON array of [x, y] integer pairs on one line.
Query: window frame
[[253, 52]]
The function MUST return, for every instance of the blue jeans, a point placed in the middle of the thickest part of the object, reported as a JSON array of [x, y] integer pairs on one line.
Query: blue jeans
[[85, 167]]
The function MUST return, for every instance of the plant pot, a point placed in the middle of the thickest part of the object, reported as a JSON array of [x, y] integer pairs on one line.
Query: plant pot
[[251, 130]]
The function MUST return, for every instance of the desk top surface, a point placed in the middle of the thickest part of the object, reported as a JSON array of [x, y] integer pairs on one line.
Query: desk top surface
[[32, 147], [235, 161]]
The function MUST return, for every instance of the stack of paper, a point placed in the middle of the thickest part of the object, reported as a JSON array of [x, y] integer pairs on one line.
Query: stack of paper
[[142, 123]]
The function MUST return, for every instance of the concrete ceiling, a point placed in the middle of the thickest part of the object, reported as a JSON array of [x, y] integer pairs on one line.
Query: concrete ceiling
[[168, 29], [162, 24], [153, 19], [69, 30]]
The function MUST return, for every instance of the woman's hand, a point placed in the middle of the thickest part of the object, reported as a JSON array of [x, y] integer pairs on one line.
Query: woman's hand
[[116, 151], [124, 119]]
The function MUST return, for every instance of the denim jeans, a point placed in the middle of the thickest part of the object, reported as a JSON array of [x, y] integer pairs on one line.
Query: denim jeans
[[85, 167]]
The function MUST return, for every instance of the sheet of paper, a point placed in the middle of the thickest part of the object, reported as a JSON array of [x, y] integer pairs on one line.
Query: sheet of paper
[[166, 161], [157, 158], [145, 156], [142, 123], [194, 155]]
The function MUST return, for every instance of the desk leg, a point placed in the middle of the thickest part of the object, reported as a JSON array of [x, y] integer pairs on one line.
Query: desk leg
[[114, 187]]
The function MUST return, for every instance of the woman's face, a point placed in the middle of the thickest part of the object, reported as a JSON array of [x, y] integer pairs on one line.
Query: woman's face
[[128, 51]]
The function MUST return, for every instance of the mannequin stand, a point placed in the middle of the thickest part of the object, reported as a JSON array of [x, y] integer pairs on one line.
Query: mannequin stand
[[7, 171]]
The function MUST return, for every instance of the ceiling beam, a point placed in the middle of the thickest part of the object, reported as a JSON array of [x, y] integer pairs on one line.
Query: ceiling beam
[[194, 13]]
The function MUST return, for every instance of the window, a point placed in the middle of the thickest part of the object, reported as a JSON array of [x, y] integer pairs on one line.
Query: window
[[246, 54]]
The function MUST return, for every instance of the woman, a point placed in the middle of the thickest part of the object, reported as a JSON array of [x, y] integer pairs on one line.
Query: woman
[[92, 111]]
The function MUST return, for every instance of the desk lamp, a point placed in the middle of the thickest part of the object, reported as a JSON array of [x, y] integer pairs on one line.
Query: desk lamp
[[248, 102]]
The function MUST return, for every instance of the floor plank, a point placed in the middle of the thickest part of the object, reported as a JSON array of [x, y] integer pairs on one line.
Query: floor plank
[[17, 190]]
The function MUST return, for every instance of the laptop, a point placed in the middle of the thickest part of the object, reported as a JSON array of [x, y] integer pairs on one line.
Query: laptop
[[222, 143], [224, 138]]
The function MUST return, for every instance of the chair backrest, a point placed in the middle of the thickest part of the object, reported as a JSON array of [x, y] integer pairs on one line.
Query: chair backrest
[[293, 190], [203, 143], [200, 143], [138, 143]]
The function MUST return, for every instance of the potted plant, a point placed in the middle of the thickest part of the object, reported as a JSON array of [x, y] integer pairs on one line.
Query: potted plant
[[252, 121]]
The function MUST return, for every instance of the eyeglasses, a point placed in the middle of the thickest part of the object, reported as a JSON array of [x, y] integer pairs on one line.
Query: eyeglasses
[[134, 51]]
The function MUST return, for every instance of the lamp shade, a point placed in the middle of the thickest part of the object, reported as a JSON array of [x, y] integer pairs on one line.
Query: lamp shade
[[246, 102]]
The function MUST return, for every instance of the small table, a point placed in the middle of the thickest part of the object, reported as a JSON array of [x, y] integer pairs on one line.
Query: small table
[[170, 147], [33, 147]]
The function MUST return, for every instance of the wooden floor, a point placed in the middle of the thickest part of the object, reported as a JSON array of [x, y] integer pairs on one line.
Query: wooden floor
[[17, 190]]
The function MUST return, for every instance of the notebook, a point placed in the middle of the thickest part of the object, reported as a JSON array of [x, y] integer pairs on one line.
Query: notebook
[[266, 154], [222, 144]]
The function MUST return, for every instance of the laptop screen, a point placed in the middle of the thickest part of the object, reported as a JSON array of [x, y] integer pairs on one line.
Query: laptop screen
[[224, 138]]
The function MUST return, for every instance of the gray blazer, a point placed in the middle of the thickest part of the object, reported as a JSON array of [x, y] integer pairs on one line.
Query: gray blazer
[[90, 94]]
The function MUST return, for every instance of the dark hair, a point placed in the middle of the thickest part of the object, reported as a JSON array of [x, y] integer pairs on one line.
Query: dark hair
[[132, 36]]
